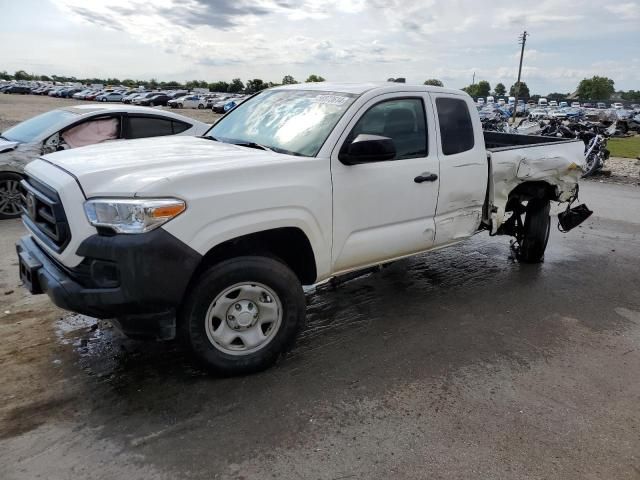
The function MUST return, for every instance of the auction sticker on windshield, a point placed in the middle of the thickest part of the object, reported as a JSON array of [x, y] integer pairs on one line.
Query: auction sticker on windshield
[[331, 99]]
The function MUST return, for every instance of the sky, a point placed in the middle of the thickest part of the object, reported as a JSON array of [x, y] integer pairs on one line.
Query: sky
[[341, 40]]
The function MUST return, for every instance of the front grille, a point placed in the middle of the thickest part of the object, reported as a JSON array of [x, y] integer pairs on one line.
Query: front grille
[[43, 213]]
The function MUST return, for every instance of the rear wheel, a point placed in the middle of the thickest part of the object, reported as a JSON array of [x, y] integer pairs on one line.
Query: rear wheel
[[200, 106], [243, 314], [9, 195], [535, 236]]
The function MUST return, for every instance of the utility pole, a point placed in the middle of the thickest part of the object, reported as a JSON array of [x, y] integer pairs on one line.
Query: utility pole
[[473, 81], [522, 39]]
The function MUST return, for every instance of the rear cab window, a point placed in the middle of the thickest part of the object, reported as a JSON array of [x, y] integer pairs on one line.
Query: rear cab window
[[456, 128]]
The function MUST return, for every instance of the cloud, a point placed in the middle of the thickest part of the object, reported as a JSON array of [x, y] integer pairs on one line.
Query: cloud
[[626, 11], [221, 14], [351, 39]]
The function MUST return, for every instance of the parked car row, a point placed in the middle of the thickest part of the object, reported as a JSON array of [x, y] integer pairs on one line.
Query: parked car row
[[544, 103], [217, 102]]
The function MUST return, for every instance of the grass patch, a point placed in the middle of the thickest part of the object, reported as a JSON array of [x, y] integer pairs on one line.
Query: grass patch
[[625, 147]]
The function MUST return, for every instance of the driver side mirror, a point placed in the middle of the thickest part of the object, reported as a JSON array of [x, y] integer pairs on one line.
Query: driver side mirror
[[368, 148]]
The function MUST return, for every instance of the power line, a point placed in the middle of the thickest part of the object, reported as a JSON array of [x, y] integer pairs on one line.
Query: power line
[[522, 40]]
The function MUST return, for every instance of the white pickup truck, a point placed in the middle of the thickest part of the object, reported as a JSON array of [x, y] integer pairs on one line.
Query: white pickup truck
[[213, 237]]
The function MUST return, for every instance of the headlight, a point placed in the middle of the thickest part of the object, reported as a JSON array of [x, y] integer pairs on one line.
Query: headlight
[[132, 215]]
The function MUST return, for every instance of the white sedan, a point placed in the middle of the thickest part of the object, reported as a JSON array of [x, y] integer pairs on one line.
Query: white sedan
[[78, 126], [188, 101]]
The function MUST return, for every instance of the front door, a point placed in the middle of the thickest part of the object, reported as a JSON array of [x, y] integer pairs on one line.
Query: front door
[[385, 210]]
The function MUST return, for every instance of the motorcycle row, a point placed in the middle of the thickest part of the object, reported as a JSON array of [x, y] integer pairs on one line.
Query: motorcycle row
[[594, 131]]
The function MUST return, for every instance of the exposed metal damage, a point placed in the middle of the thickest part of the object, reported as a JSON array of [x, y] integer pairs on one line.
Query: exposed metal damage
[[533, 167]]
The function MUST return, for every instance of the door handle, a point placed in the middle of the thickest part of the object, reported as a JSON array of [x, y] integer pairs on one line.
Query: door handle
[[426, 177]]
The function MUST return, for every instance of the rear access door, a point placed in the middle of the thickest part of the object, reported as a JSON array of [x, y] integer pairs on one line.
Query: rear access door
[[384, 209], [464, 170]]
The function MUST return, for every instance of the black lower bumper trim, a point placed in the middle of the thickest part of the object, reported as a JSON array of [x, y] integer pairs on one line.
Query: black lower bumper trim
[[149, 272]]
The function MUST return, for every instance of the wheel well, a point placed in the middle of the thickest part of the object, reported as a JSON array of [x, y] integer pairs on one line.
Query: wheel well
[[289, 245], [529, 190]]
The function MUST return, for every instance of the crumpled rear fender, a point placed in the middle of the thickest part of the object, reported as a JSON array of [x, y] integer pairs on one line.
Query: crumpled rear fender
[[557, 165]]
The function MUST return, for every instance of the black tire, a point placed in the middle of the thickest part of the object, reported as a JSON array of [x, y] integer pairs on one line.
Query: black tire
[[214, 281], [8, 184], [537, 226], [200, 106]]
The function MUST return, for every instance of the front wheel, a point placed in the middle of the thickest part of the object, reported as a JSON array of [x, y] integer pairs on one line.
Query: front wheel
[[9, 195], [242, 314], [537, 225], [104, 99], [200, 106]]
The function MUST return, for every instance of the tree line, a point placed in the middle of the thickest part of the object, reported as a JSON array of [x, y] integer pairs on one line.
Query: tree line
[[595, 88]]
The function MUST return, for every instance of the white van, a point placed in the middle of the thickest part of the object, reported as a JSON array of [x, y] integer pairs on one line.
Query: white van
[[490, 99], [543, 102]]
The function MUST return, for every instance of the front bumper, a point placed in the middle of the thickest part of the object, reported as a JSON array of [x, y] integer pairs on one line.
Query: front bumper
[[139, 280]]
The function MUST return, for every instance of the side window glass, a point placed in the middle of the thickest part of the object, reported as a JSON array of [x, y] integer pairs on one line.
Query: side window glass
[[179, 127], [401, 120], [92, 131], [456, 129], [144, 127]]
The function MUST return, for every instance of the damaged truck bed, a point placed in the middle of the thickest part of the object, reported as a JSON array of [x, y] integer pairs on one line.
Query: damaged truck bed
[[544, 165]]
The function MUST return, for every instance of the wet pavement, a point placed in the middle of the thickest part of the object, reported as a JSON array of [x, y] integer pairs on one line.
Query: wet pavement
[[460, 363]]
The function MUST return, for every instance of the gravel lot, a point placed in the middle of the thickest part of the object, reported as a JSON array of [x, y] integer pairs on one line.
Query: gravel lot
[[456, 364]]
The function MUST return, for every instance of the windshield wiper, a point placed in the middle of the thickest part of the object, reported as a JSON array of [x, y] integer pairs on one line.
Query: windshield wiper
[[209, 137], [254, 145]]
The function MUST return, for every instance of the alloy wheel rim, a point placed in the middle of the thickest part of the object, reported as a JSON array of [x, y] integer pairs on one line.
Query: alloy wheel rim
[[9, 197]]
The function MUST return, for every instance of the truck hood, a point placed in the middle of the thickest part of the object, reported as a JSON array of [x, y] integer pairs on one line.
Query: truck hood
[[124, 168]]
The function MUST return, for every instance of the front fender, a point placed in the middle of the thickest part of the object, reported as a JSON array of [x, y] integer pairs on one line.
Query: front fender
[[209, 235]]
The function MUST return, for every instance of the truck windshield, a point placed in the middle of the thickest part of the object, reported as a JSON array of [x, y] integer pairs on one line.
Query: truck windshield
[[296, 122], [29, 130]]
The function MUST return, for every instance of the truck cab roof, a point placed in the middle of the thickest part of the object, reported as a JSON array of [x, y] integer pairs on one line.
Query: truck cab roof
[[360, 88]]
